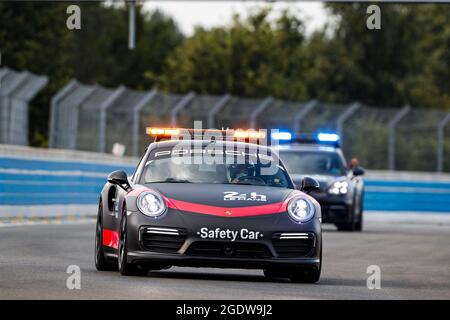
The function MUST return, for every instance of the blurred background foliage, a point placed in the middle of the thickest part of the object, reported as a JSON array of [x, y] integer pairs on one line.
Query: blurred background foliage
[[406, 62]]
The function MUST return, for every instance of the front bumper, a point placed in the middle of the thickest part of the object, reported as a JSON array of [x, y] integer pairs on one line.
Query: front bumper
[[335, 209], [258, 242]]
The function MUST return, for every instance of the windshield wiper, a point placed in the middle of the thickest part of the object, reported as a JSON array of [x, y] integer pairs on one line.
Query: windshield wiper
[[246, 184], [170, 180]]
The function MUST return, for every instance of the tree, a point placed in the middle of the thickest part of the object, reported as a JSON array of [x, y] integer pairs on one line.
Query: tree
[[252, 57], [33, 36], [100, 51], [397, 65]]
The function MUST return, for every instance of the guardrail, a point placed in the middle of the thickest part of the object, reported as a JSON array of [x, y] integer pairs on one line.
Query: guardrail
[[32, 177], [50, 182], [37, 182]]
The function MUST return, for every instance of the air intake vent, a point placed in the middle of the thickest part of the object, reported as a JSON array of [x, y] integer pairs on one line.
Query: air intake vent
[[163, 240], [293, 245], [228, 249]]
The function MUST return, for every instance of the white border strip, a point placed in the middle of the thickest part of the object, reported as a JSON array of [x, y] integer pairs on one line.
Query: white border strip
[[48, 210]]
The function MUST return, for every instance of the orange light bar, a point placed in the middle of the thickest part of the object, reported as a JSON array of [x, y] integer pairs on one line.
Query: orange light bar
[[249, 134], [162, 131], [237, 134]]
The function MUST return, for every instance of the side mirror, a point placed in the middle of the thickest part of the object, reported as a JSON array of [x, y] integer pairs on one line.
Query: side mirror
[[309, 184], [358, 171], [119, 178]]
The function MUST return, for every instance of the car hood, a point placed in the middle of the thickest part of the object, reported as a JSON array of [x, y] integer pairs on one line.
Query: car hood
[[324, 181], [222, 195]]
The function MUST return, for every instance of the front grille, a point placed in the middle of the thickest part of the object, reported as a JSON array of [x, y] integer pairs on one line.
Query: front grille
[[293, 245], [228, 249], [163, 240]]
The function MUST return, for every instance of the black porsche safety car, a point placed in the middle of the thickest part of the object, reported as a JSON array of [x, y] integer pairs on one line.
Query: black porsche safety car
[[341, 186], [210, 203]]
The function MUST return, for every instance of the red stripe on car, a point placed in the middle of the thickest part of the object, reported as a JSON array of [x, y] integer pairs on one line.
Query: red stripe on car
[[227, 212], [249, 211], [110, 238]]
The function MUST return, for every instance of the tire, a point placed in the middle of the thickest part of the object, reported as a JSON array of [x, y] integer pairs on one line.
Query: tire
[[307, 274], [126, 268], [101, 263], [354, 225], [359, 224]]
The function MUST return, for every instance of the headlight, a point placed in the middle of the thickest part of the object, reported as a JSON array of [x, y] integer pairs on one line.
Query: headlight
[[301, 209], [339, 187], [151, 204]]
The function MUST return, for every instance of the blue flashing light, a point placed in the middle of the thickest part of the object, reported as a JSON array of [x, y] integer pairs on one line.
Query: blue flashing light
[[328, 137], [281, 135]]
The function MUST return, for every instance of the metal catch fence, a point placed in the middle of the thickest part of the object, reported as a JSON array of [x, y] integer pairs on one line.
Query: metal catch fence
[[95, 118], [17, 89]]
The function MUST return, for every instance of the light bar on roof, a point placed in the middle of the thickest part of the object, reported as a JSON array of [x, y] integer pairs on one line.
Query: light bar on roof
[[328, 137], [162, 131], [243, 134], [249, 134], [281, 135]]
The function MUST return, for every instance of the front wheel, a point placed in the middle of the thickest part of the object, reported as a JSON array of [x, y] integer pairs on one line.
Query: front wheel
[[359, 223], [357, 219], [101, 263], [126, 268]]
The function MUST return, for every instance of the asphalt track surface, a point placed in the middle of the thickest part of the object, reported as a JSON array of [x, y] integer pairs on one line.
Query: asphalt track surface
[[414, 258]]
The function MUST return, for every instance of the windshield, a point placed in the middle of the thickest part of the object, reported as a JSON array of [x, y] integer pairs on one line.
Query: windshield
[[248, 170], [313, 162]]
